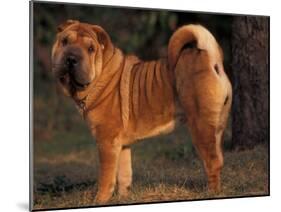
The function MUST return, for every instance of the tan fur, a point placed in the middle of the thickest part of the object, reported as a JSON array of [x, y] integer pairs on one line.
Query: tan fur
[[124, 176], [129, 99], [205, 95]]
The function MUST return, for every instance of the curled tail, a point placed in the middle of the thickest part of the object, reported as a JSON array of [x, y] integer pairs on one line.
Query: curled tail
[[190, 36]]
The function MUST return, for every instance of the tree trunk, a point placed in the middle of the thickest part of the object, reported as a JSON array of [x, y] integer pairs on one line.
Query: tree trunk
[[250, 75]]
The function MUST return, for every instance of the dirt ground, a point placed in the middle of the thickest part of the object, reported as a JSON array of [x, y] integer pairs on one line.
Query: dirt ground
[[165, 168]]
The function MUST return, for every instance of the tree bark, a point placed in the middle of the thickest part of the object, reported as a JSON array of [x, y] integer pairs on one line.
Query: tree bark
[[250, 75]]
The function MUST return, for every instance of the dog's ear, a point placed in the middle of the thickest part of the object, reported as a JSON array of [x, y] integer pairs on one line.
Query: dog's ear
[[64, 25], [102, 36]]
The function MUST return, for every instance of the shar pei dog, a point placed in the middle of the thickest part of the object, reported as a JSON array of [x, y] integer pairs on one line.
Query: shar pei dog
[[124, 99]]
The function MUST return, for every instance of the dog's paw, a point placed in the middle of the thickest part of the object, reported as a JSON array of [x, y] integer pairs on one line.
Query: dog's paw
[[101, 199], [123, 192]]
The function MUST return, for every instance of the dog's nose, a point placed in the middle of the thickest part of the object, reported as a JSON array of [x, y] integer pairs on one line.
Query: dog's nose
[[71, 61]]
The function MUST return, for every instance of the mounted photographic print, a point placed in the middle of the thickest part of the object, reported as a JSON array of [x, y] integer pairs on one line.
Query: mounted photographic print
[[137, 105]]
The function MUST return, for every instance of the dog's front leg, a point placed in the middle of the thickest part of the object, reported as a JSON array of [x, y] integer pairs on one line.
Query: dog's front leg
[[124, 176], [109, 151]]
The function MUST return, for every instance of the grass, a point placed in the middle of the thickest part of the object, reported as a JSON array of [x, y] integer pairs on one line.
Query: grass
[[165, 169]]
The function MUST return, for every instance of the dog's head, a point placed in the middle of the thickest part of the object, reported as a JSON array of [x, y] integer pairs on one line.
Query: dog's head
[[78, 54]]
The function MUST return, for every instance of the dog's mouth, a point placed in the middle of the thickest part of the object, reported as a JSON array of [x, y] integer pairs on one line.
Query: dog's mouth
[[70, 79]]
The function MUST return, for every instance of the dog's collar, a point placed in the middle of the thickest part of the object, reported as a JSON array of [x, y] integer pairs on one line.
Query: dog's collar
[[81, 104]]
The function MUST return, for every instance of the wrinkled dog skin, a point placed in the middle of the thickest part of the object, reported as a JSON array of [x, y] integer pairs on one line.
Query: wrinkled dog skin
[[124, 99]]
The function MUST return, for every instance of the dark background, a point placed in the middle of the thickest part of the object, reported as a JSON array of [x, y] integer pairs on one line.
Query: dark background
[[144, 33], [64, 150]]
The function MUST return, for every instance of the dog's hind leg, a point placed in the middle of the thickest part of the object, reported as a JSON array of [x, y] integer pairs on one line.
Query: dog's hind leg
[[124, 176], [207, 141], [204, 92], [205, 96]]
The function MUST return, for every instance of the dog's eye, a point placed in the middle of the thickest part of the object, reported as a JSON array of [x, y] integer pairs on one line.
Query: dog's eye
[[91, 49], [64, 41]]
